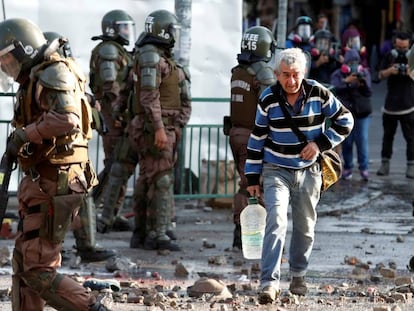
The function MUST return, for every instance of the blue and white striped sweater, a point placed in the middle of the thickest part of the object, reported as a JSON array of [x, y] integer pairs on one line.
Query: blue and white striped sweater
[[272, 139]]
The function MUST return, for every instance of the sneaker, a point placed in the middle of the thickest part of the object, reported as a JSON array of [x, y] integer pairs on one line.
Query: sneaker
[[298, 286], [364, 175], [347, 174], [267, 295]]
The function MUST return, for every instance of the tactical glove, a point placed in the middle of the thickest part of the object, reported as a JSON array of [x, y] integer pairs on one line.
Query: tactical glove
[[15, 142]]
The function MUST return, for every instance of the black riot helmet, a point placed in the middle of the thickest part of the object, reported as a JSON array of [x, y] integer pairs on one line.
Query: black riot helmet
[[63, 42], [257, 44], [119, 26], [162, 27], [21, 46]]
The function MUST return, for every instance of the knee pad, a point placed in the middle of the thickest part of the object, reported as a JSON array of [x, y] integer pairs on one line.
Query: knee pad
[[46, 283], [163, 183], [119, 170]]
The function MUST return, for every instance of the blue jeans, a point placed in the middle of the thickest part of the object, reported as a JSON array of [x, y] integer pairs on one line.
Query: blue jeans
[[359, 136], [300, 188]]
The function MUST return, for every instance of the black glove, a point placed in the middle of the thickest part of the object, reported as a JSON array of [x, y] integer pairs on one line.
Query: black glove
[[15, 142]]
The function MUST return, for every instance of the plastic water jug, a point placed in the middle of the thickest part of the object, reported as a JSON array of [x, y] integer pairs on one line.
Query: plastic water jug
[[252, 222]]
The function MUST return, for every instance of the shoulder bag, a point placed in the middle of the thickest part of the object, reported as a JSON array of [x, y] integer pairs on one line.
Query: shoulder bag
[[330, 161]]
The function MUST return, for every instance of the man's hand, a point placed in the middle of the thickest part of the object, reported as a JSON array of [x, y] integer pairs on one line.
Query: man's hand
[[118, 118], [254, 191], [310, 151], [161, 139], [15, 142]]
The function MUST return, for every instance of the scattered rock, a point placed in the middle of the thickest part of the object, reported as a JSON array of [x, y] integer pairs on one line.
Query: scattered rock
[[119, 263], [180, 270], [209, 286]]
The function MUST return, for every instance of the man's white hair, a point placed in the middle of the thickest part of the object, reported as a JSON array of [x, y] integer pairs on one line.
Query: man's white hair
[[291, 56]]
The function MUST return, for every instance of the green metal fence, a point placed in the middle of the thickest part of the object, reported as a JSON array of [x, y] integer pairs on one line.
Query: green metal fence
[[204, 169]]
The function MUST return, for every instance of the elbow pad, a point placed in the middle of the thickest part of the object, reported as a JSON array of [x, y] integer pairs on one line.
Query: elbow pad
[[107, 67]]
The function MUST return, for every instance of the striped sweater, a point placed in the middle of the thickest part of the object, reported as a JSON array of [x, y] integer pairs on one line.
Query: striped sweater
[[272, 139]]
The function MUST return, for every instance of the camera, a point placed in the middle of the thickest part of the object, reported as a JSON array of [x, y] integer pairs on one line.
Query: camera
[[400, 61], [360, 76], [402, 68]]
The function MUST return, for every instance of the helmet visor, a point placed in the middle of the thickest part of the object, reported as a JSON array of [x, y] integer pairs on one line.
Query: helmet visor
[[354, 43], [10, 65], [175, 31], [126, 30], [9, 70], [304, 31], [322, 44]]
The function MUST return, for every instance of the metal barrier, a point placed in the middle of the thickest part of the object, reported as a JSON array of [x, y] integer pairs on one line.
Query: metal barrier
[[205, 168]]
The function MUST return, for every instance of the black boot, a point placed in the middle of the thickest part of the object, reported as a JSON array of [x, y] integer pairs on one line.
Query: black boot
[[121, 223], [153, 244], [237, 243], [168, 245], [97, 253], [137, 240]]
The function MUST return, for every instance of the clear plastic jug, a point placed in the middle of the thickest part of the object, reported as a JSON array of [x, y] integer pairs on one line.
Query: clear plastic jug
[[252, 222]]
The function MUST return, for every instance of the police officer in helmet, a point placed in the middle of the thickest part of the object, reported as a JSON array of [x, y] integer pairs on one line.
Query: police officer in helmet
[[111, 83], [50, 142], [162, 104], [85, 235]]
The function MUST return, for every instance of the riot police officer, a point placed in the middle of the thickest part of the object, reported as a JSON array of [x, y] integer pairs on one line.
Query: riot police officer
[[85, 235], [162, 107], [252, 74], [111, 83], [50, 141]]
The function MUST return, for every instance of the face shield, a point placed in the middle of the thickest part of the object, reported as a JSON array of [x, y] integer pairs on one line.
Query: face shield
[[304, 31], [10, 68], [354, 43], [175, 31], [126, 29], [322, 44]]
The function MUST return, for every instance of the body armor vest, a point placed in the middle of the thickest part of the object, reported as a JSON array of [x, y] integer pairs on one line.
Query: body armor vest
[[67, 149], [244, 98]]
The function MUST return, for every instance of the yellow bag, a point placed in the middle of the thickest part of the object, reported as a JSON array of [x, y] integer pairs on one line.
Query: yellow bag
[[331, 168]]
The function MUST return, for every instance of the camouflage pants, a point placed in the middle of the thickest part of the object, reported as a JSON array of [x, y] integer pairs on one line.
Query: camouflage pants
[[34, 256], [153, 165]]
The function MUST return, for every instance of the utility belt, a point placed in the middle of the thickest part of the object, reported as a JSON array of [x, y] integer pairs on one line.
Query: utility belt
[[47, 171]]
